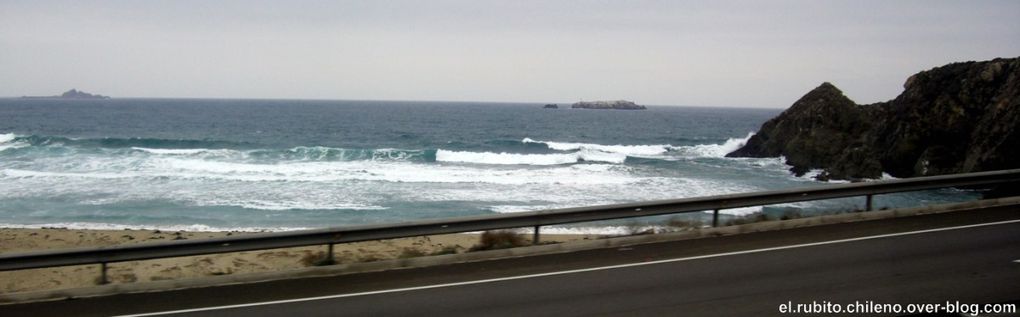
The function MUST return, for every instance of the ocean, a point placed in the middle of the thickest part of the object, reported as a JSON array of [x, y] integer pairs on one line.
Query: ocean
[[253, 165]]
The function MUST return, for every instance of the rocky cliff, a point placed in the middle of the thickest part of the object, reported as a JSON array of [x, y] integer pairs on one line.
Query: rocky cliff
[[957, 118]]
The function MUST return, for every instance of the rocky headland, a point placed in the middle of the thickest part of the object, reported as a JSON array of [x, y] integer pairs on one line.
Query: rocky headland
[[956, 118], [615, 105]]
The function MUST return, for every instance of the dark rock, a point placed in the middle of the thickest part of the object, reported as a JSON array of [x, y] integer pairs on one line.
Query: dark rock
[[820, 128], [957, 118], [70, 94], [616, 105], [551, 106], [75, 94]]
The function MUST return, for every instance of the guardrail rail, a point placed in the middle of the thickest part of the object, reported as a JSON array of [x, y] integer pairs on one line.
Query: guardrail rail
[[534, 219]]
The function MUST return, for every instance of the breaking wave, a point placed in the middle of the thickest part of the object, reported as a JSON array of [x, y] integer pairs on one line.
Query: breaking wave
[[529, 159], [629, 150], [10, 141], [659, 151], [713, 150]]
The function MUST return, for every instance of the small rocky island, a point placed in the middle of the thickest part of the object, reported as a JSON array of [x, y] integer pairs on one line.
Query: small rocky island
[[71, 94], [614, 105], [957, 118], [551, 106]]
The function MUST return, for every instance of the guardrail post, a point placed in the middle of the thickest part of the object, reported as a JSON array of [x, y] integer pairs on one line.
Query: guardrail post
[[534, 237], [102, 274], [329, 254], [868, 205], [715, 218]]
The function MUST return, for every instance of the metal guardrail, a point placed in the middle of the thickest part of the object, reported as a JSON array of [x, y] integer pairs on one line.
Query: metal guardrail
[[535, 219]]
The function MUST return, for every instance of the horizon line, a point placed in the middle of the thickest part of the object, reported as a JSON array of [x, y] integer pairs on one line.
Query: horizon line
[[57, 97]]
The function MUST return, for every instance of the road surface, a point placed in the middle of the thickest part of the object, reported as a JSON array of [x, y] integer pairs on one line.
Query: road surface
[[970, 257]]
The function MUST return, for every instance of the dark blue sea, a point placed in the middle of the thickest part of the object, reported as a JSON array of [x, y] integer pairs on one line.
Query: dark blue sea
[[197, 164]]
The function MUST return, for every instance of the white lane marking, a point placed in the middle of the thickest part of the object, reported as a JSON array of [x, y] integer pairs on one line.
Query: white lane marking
[[406, 289]]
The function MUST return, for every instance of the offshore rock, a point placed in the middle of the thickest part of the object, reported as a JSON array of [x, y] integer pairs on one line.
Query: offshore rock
[[70, 94], [957, 118], [75, 94], [615, 104]]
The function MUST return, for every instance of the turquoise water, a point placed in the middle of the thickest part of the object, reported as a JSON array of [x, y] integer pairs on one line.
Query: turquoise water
[[285, 164]]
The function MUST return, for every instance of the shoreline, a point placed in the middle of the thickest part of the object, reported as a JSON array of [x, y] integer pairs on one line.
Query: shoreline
[[20, 240]]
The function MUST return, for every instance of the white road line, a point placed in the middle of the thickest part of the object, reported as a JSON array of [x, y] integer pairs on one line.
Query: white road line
[[396, 290]]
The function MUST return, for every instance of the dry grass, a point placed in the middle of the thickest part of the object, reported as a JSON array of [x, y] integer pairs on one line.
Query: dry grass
[[678, 224], [407, 253], [752, 218]]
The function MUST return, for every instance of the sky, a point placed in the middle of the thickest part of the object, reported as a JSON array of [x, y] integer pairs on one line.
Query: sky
[[700, 53]]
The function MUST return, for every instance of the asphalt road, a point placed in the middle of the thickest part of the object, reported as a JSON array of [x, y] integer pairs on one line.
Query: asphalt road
[[750, 274]]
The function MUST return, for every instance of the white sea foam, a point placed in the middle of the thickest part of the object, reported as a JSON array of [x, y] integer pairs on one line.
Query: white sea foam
[[509, 209], [291, 204], [16, 173], [666, 151], [188, 168], [196, 178], [712, 150], [173, 151], [7, 142], [629, 150], [742, 211], [528, 159], [811, 174], [7, 137]]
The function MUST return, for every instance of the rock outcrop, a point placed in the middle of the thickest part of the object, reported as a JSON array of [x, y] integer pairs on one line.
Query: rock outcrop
[[70, 94], [616, 104], [551, 106], [957, 118], [75, 94]]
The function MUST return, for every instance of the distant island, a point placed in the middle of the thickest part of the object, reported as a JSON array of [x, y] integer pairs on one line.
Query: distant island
[[551, 106], [70, 94], [614, 105]]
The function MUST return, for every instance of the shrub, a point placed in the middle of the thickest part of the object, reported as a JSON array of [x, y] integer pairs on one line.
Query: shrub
[[410, 253], [752, 218], [790, 214], [498, 239], [371, 258], [316, 259], [450, 249]]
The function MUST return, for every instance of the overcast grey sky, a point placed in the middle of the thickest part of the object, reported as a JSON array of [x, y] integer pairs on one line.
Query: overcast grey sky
[[707, 53]]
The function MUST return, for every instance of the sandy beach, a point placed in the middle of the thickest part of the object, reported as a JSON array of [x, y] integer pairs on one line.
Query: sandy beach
[[17, 240]]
